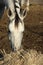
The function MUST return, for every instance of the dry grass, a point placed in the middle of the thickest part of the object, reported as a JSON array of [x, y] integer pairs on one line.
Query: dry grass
[[22, 57]]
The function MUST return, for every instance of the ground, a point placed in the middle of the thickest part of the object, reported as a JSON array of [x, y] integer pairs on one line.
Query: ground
[[33, 34]]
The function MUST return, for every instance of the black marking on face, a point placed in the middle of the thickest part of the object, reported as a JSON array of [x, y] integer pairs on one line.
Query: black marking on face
[[17, 19], [16, 6], [19, 1]]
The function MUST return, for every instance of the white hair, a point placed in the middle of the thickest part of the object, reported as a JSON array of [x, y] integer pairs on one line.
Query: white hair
[[16, 31]]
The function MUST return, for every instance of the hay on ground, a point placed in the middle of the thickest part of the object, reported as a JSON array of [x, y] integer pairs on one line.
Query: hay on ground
[[22, 57]]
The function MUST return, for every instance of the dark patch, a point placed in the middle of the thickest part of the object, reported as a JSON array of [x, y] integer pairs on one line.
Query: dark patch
[[2, 7], [9, 32], [16, 6], [16, 20], [24, 13], [17, 2], [1, 56], [9, 12]]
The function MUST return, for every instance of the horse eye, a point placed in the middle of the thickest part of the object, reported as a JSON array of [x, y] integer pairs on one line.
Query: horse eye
[[9, 12]]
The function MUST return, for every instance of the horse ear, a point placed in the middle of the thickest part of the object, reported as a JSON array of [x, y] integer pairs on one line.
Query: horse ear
[[10, 14], [11, 8], [25, 9], [24, 12]]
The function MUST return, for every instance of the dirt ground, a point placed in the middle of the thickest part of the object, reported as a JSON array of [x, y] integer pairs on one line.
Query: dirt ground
[[33, 34]]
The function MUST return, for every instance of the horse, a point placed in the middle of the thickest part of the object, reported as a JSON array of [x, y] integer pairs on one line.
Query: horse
[[16, 15]]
